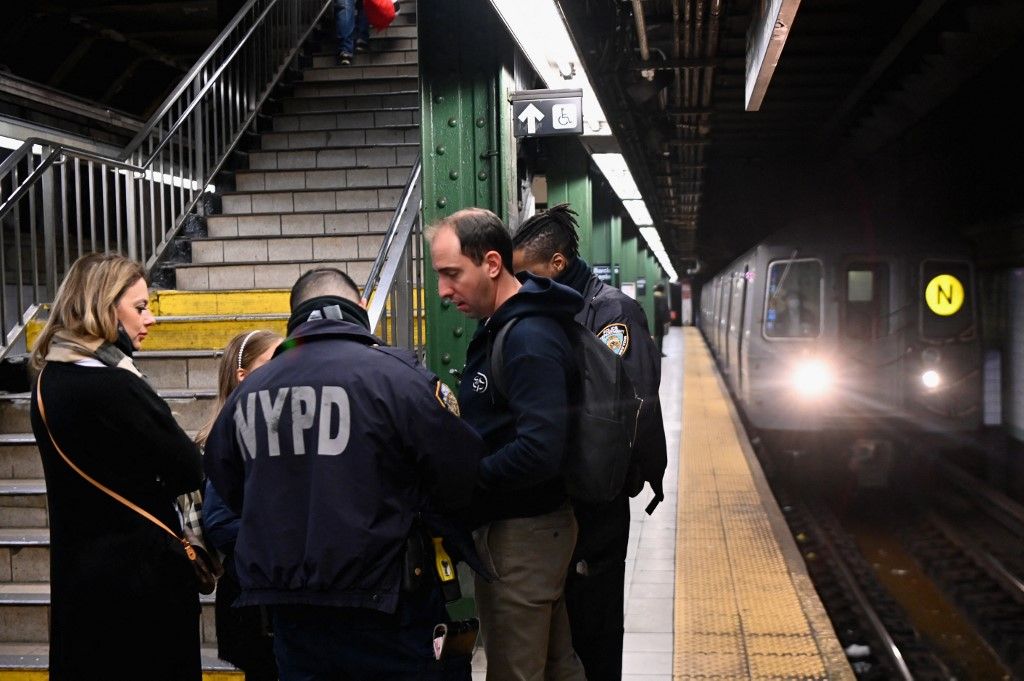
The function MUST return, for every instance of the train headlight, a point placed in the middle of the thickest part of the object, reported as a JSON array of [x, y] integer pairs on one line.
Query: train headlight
[[931, 379], [813, 378]]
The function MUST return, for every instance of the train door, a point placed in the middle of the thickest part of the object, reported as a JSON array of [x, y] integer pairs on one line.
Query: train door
[[727, 296], [867, 336], [723, 325], [736, 325]]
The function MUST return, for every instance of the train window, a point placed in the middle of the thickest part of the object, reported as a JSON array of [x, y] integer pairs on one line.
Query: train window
[[793, 302], [946, 297], [867, 301]]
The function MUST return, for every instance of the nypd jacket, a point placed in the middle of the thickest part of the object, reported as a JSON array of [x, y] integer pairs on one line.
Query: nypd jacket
[[328, 452], [525, 436], [621, 324]]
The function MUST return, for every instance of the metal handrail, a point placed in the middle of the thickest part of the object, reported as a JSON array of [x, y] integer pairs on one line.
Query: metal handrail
[[71, 200], [183, 84], [395, 281]]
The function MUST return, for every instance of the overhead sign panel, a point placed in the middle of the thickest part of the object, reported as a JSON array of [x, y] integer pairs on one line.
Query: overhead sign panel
[[766, 37], [543, 113]]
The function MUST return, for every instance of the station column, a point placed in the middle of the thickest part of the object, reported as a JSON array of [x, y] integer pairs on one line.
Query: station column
[[465, 56], [569, 182]]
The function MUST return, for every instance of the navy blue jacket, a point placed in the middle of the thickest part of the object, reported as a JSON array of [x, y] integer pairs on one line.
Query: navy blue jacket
[[525, 435], [328, 453]]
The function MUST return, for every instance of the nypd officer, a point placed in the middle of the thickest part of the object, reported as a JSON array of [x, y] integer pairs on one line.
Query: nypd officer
[[330, 453], [547, 245]]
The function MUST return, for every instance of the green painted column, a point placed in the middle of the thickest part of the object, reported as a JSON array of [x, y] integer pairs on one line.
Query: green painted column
[[568, 177], [465, 57], [600, 239], [615, 245]]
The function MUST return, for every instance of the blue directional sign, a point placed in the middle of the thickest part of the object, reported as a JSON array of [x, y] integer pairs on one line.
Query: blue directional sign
[[543, 113]]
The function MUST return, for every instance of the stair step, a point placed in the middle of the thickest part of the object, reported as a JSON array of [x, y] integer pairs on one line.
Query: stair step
[[354, 86], [307, 116], [285, 248], [24, 554], [169, 303], [388, 57], [376, 98], [347, 75], [202, 332], [25, 608], [319, 104], [190, 409], [234, 275], [333, 139], [379, 42], [29, 662], [327, 222], [19, 459], [377, 156], [337, 178], [406, 28], [309, 200], [23, 502]]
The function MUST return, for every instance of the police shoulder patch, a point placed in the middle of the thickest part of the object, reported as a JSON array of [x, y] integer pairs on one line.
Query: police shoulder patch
[[616, 337], [446, 397]]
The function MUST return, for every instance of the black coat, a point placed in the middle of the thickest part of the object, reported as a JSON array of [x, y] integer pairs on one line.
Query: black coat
[[122, 591], [329, 452]]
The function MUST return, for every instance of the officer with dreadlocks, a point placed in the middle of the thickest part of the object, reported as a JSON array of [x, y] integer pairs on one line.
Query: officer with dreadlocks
[[548, 245]]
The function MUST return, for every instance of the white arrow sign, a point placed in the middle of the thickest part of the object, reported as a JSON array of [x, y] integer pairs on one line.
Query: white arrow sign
[[531, 116]]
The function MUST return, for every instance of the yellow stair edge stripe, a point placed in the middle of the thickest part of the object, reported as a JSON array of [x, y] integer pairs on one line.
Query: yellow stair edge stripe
[[44, 675], [171, 303]]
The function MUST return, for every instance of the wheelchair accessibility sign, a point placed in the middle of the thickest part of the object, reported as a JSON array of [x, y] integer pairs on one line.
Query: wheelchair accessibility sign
[[541, 113]]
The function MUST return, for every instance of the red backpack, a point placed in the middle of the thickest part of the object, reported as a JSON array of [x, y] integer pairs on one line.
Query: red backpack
[[379, 13]]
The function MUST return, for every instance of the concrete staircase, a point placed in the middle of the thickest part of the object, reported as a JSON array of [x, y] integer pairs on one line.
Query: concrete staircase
[[319, 189]]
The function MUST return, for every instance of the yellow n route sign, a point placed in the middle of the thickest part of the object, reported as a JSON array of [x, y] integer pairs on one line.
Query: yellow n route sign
[[944, 295]]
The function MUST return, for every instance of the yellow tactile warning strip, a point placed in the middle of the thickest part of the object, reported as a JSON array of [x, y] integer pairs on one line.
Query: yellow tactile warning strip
[[744, 605]]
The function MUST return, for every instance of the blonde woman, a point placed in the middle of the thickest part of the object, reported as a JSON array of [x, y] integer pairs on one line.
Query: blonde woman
[[124, 600], [242, 637]]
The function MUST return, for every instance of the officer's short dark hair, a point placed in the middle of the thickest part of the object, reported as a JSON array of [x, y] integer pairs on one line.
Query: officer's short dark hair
[[323, 281], [479, 231], [548, 232], [659, 287]]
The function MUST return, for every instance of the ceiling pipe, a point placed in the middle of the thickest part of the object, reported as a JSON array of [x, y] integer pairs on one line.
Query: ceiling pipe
[[641, 29]]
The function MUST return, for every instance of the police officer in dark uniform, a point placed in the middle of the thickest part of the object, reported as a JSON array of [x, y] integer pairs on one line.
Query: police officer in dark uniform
[[332, 453], [547, 245]]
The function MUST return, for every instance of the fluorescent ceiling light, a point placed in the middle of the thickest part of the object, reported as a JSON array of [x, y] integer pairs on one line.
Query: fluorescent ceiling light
[[615, 170], [11, 143], [653, 239], [637, 210], [539, 29]]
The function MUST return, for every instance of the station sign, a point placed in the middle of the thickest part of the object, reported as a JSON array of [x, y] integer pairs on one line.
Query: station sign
[[546, 113]]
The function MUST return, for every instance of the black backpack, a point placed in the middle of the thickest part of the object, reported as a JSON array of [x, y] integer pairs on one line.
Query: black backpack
[[603, 422]]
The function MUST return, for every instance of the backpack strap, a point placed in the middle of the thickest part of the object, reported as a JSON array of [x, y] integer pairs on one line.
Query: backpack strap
[[496, 357]]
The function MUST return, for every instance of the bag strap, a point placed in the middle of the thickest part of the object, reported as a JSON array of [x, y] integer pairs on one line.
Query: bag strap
[[496, 357], [189, 551]]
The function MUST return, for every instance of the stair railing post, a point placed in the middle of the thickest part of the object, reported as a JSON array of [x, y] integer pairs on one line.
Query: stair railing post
[[49, 198], [131, 217]]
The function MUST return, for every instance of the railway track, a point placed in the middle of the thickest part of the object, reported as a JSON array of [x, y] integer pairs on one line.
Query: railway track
[[922, 581]]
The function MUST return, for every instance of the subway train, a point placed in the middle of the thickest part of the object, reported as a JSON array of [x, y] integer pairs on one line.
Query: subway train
[[838, 335]]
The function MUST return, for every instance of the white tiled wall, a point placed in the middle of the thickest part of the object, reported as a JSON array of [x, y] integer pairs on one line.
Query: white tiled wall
[[1014, 353]]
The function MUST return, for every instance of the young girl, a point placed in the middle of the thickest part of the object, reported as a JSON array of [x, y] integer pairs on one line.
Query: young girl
[[242, 637]]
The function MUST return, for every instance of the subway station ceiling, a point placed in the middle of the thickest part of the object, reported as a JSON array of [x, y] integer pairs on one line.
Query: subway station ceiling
[[875, 105]]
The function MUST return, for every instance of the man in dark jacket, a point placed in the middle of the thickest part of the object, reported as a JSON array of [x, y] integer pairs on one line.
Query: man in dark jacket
[[329, 453], [527, 530], [547, 245], [661, 316]]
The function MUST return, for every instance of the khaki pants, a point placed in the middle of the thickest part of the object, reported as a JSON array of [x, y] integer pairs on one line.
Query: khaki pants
[[523, 619]]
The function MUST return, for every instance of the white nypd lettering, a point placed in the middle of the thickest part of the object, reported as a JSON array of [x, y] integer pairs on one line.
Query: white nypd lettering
[[272, 415], [332, 444], [333, 428], [303, 413], [245, 425]]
